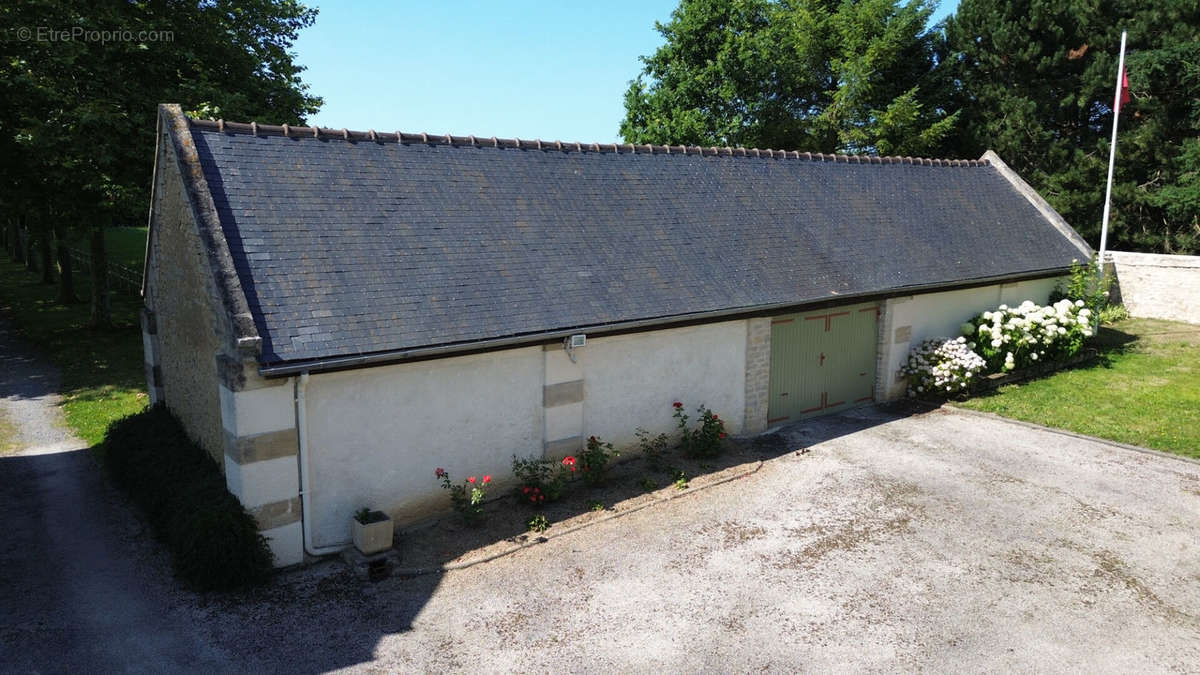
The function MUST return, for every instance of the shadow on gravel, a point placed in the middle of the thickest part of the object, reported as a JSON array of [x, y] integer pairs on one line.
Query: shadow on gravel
[[88, 587], [85, 588], [633, 484], [21, 376], [323, 617], [820, 429]]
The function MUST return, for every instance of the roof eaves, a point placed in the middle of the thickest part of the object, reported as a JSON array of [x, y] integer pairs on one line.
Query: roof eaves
[[366, 360]]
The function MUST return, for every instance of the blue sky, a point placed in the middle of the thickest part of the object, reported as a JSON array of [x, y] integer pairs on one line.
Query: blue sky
[[549, 70]]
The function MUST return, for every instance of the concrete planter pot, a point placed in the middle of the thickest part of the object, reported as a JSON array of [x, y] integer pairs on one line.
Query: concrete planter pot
[[373, 536]]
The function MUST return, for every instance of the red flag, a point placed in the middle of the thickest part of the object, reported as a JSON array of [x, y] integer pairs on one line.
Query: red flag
[[1125, 97]]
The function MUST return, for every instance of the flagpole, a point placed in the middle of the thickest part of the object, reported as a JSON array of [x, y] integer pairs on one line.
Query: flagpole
[[1112, 158]]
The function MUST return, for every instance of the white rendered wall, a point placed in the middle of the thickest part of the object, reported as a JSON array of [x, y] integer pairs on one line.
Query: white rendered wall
[[376, 435], [1158, 286], [918, 317], [632, 380]]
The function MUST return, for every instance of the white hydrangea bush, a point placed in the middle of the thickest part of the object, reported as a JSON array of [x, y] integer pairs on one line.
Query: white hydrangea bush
[[942, 366], [1017, 337]]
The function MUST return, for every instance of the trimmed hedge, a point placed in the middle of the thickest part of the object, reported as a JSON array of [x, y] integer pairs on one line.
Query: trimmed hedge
[[214, 543]]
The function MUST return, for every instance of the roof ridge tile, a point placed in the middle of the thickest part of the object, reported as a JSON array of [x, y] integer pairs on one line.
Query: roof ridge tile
[[256, 129]]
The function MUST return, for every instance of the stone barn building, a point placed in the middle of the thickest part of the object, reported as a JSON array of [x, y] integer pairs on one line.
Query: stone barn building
[[333, 314]]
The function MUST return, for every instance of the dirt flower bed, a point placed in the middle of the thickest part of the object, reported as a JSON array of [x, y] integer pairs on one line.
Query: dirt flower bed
[[504, 526]]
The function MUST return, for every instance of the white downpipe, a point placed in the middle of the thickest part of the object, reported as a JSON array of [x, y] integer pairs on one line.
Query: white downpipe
[[305, 498]]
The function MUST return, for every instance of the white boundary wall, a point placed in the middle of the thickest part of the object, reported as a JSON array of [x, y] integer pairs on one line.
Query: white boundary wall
[[1158, 286]]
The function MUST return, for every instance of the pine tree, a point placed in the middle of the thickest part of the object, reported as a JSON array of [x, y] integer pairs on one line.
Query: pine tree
[[1036, 80]]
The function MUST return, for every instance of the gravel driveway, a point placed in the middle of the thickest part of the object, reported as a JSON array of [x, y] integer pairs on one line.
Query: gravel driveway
[[946, 540], [943, 541]]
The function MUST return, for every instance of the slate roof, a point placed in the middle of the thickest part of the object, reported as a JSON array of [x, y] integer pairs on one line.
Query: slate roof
[[347, 247]]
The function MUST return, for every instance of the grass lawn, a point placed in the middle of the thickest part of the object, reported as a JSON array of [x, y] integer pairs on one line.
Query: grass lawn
[[102, 371], [1144, 391], [8, 435], [125, 245]]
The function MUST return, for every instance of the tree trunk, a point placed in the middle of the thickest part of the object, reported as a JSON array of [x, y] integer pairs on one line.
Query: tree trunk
[[17, 229], [28, 234], [66, 278], [101, 307], [47, 262]]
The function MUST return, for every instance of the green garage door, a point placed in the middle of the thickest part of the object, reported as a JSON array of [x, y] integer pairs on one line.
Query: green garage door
[[822, 361]]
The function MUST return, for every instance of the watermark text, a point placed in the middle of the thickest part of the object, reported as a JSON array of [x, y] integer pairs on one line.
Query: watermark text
[[82, 34]]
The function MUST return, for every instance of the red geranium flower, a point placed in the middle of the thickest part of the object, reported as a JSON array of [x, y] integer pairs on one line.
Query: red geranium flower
[[471, 479], [525, 489], [722, 435], [715, 417], [568, 461], [487, 479], [440, 472], [677, 404]]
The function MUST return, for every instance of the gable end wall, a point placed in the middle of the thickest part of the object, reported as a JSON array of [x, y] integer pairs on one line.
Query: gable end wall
[[180, 296]]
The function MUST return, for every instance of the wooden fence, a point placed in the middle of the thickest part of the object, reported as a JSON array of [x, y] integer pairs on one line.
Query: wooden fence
[[121, 279]]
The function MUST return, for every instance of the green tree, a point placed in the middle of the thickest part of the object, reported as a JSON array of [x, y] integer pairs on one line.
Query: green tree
[[85, 122], [1036, 85], [857, 76]]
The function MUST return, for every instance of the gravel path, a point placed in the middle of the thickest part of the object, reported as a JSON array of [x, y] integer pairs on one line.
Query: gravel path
[[29, 400], [83, 588]]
